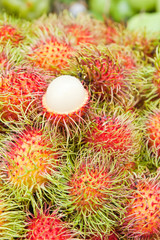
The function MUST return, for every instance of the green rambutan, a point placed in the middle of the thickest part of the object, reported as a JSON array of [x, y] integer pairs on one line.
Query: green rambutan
[[92, 193], [142, 213], [48, 226], [111, 236], [20, 90]]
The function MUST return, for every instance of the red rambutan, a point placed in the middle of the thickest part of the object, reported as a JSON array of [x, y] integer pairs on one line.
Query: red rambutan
[[28, 157], [92, 195], [153, 131], [51, 54], [20, 89], [48, 226], [142, 213]]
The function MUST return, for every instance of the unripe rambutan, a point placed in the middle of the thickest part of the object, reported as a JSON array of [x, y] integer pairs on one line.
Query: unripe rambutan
[[65, 101], [92, 194], [111, 236], [29, 157], [142, 213], [20, 90], [48, 226]]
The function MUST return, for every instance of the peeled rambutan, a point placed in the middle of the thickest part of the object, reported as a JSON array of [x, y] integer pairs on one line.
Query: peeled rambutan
[[48, 226], [20, 90], [153, 131], [28, 157], [65, 101], [142, 213], [93, 193]]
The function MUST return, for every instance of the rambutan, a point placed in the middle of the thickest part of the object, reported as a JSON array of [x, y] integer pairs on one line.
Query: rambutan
[[48, 226], [142, 213], [111, 236], [153, 131], [65, 101], [20, 89], [114, 133], [50, 53], [108, 72], [93, 194], [82, 29], [29, 156]]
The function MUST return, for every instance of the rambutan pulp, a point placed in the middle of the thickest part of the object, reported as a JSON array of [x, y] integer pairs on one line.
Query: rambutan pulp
[[65, 100], [51, 55], [30, 156]]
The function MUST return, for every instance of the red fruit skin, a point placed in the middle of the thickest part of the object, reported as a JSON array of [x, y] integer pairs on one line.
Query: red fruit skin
[[153, 131], [20, 88], [110, 134], [47, 227], [8, 32], [142, 216], [51, 54], [79, 34]]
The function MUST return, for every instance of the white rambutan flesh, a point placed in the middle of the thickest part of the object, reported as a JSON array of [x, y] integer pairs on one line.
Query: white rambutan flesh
[[65, 94]]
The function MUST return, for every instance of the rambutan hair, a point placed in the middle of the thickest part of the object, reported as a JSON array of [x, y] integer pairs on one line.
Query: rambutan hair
[[92, 192], [142, 210]]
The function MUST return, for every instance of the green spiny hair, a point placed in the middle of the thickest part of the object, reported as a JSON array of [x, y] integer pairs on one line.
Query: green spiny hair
[[91, 192], [30, 154]]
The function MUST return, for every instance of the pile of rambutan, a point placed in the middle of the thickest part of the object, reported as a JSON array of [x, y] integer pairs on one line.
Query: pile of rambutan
[[79, 130]]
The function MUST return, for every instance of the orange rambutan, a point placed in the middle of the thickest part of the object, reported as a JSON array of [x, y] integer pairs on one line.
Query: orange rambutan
[[51, 53], [28, 157], [142, 214], [20, 88], [9, 32]]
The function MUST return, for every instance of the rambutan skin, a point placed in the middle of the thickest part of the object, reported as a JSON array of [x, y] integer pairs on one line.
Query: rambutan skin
[[92, 194], [28, 158], [20, 88], [51, 54], [48, 226], [153, 131], [9, 32], [142, 216]]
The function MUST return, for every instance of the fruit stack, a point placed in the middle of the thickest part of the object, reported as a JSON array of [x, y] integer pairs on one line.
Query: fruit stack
[[80, 129]]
